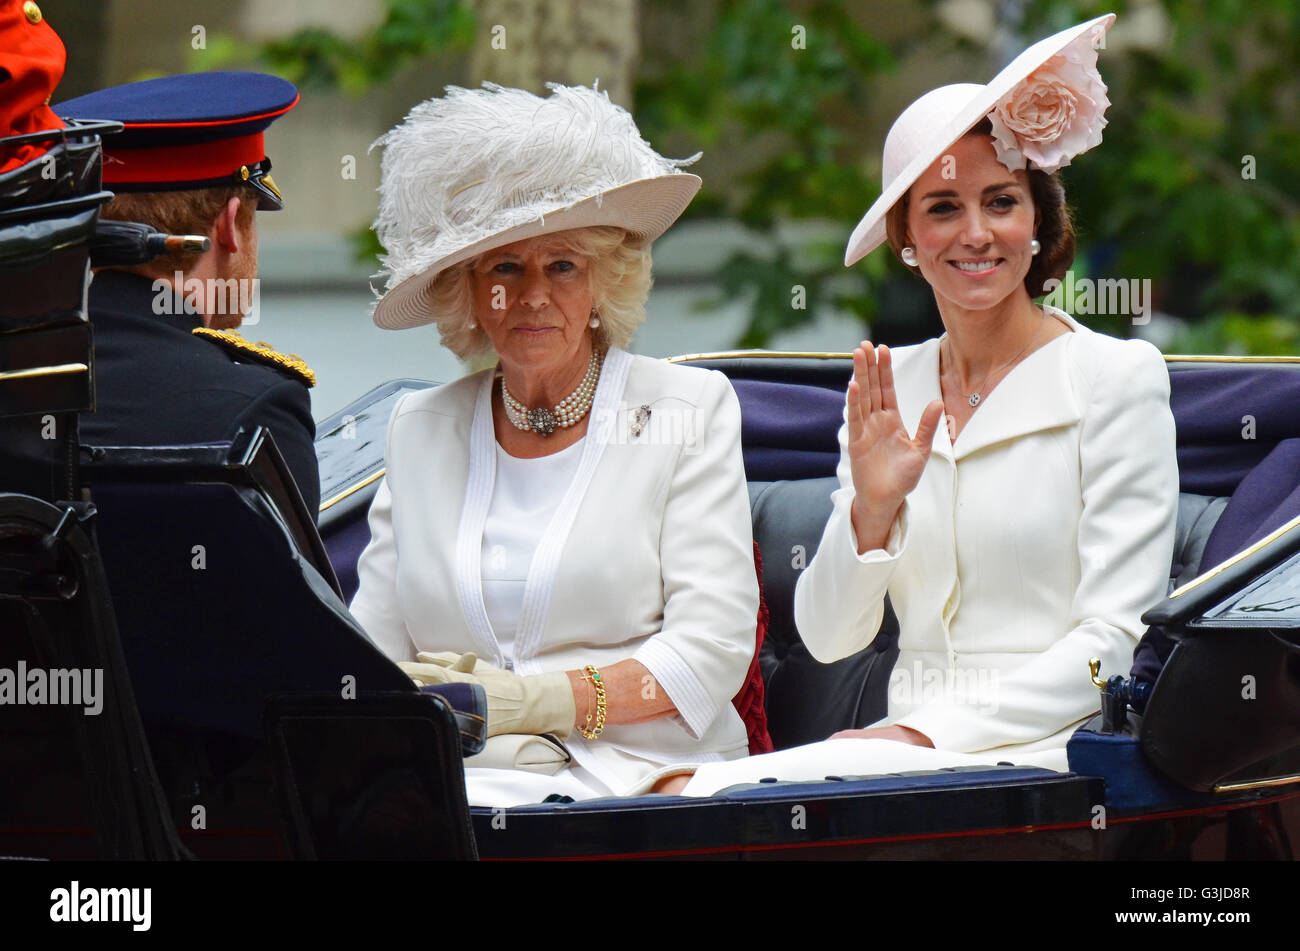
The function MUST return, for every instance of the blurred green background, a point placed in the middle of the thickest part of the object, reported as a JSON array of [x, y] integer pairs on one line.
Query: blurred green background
[[1193, 188]]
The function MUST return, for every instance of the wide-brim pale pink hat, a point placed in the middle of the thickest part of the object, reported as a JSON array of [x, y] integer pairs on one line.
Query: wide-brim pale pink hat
[[479, 169], [1046, 106]]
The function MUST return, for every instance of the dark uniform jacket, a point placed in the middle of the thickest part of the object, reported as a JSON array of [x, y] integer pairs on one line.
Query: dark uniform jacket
[[157, 383]]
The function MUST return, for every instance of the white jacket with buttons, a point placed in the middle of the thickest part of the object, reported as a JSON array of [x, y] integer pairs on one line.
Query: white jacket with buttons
[[1032, 544]]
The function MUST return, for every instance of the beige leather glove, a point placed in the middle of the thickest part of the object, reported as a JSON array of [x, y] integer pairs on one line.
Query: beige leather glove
[[443, 661], [535, 704]]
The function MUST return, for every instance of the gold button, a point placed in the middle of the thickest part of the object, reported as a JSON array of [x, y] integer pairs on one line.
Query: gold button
[[243, 172], [32, 12]]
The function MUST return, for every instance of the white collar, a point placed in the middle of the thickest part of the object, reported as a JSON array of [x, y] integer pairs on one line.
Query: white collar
[[1036, 394]]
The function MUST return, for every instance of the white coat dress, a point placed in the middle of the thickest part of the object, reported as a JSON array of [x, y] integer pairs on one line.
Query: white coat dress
[[1031, 544], [649, 556]]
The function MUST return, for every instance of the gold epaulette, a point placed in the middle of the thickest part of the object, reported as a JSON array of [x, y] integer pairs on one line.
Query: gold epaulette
[[262, 352]]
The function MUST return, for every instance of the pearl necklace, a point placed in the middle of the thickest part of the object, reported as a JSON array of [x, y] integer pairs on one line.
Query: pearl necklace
[[565, 413]]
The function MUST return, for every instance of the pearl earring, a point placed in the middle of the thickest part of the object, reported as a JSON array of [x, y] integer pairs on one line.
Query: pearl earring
[[1035, 246], [909, 256], [594, 322]]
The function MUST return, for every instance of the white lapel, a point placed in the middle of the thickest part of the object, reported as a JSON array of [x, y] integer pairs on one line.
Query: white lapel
[[469, 538], [1035, 395], [546, 560], [916, 384]]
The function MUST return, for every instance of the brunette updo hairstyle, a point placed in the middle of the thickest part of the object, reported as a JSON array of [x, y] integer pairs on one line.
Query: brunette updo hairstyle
[[1055, 229]]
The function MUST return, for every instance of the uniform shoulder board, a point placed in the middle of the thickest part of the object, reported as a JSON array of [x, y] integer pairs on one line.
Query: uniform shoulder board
[[261, 352]]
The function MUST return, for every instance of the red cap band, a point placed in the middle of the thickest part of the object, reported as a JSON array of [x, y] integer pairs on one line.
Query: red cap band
[[182, 163]]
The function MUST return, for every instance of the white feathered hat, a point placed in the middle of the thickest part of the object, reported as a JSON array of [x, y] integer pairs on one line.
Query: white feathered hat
[[481, 168]]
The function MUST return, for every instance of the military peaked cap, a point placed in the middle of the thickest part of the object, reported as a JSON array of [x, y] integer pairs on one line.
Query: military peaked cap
[[195, 130]]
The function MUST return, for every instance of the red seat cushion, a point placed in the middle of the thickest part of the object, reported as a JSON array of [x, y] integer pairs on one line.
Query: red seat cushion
[[749, 703]]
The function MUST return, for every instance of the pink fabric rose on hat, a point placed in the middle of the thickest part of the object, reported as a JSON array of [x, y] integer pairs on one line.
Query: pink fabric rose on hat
[[1054, 113]]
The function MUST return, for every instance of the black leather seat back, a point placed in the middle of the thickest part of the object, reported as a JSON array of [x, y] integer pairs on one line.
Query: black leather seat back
[[48, 210], [1226, 708], [1226, 704], [218, 606], [252, 675], [808, 700], [79, 782], [376, 777], [1197, 516]]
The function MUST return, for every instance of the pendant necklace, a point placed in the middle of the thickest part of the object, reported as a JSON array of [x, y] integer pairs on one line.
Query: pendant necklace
[[974, 398]]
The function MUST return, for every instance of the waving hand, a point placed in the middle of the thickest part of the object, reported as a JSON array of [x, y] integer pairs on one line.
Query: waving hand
[[886, 463]]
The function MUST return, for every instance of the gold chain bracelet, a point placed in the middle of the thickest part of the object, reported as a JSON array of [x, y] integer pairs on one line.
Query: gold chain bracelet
[[592, 676]]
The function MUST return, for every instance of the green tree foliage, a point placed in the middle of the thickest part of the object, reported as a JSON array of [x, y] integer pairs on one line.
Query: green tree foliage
[[315, 58], [786, 79], [411, 30], [1194, 187]]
